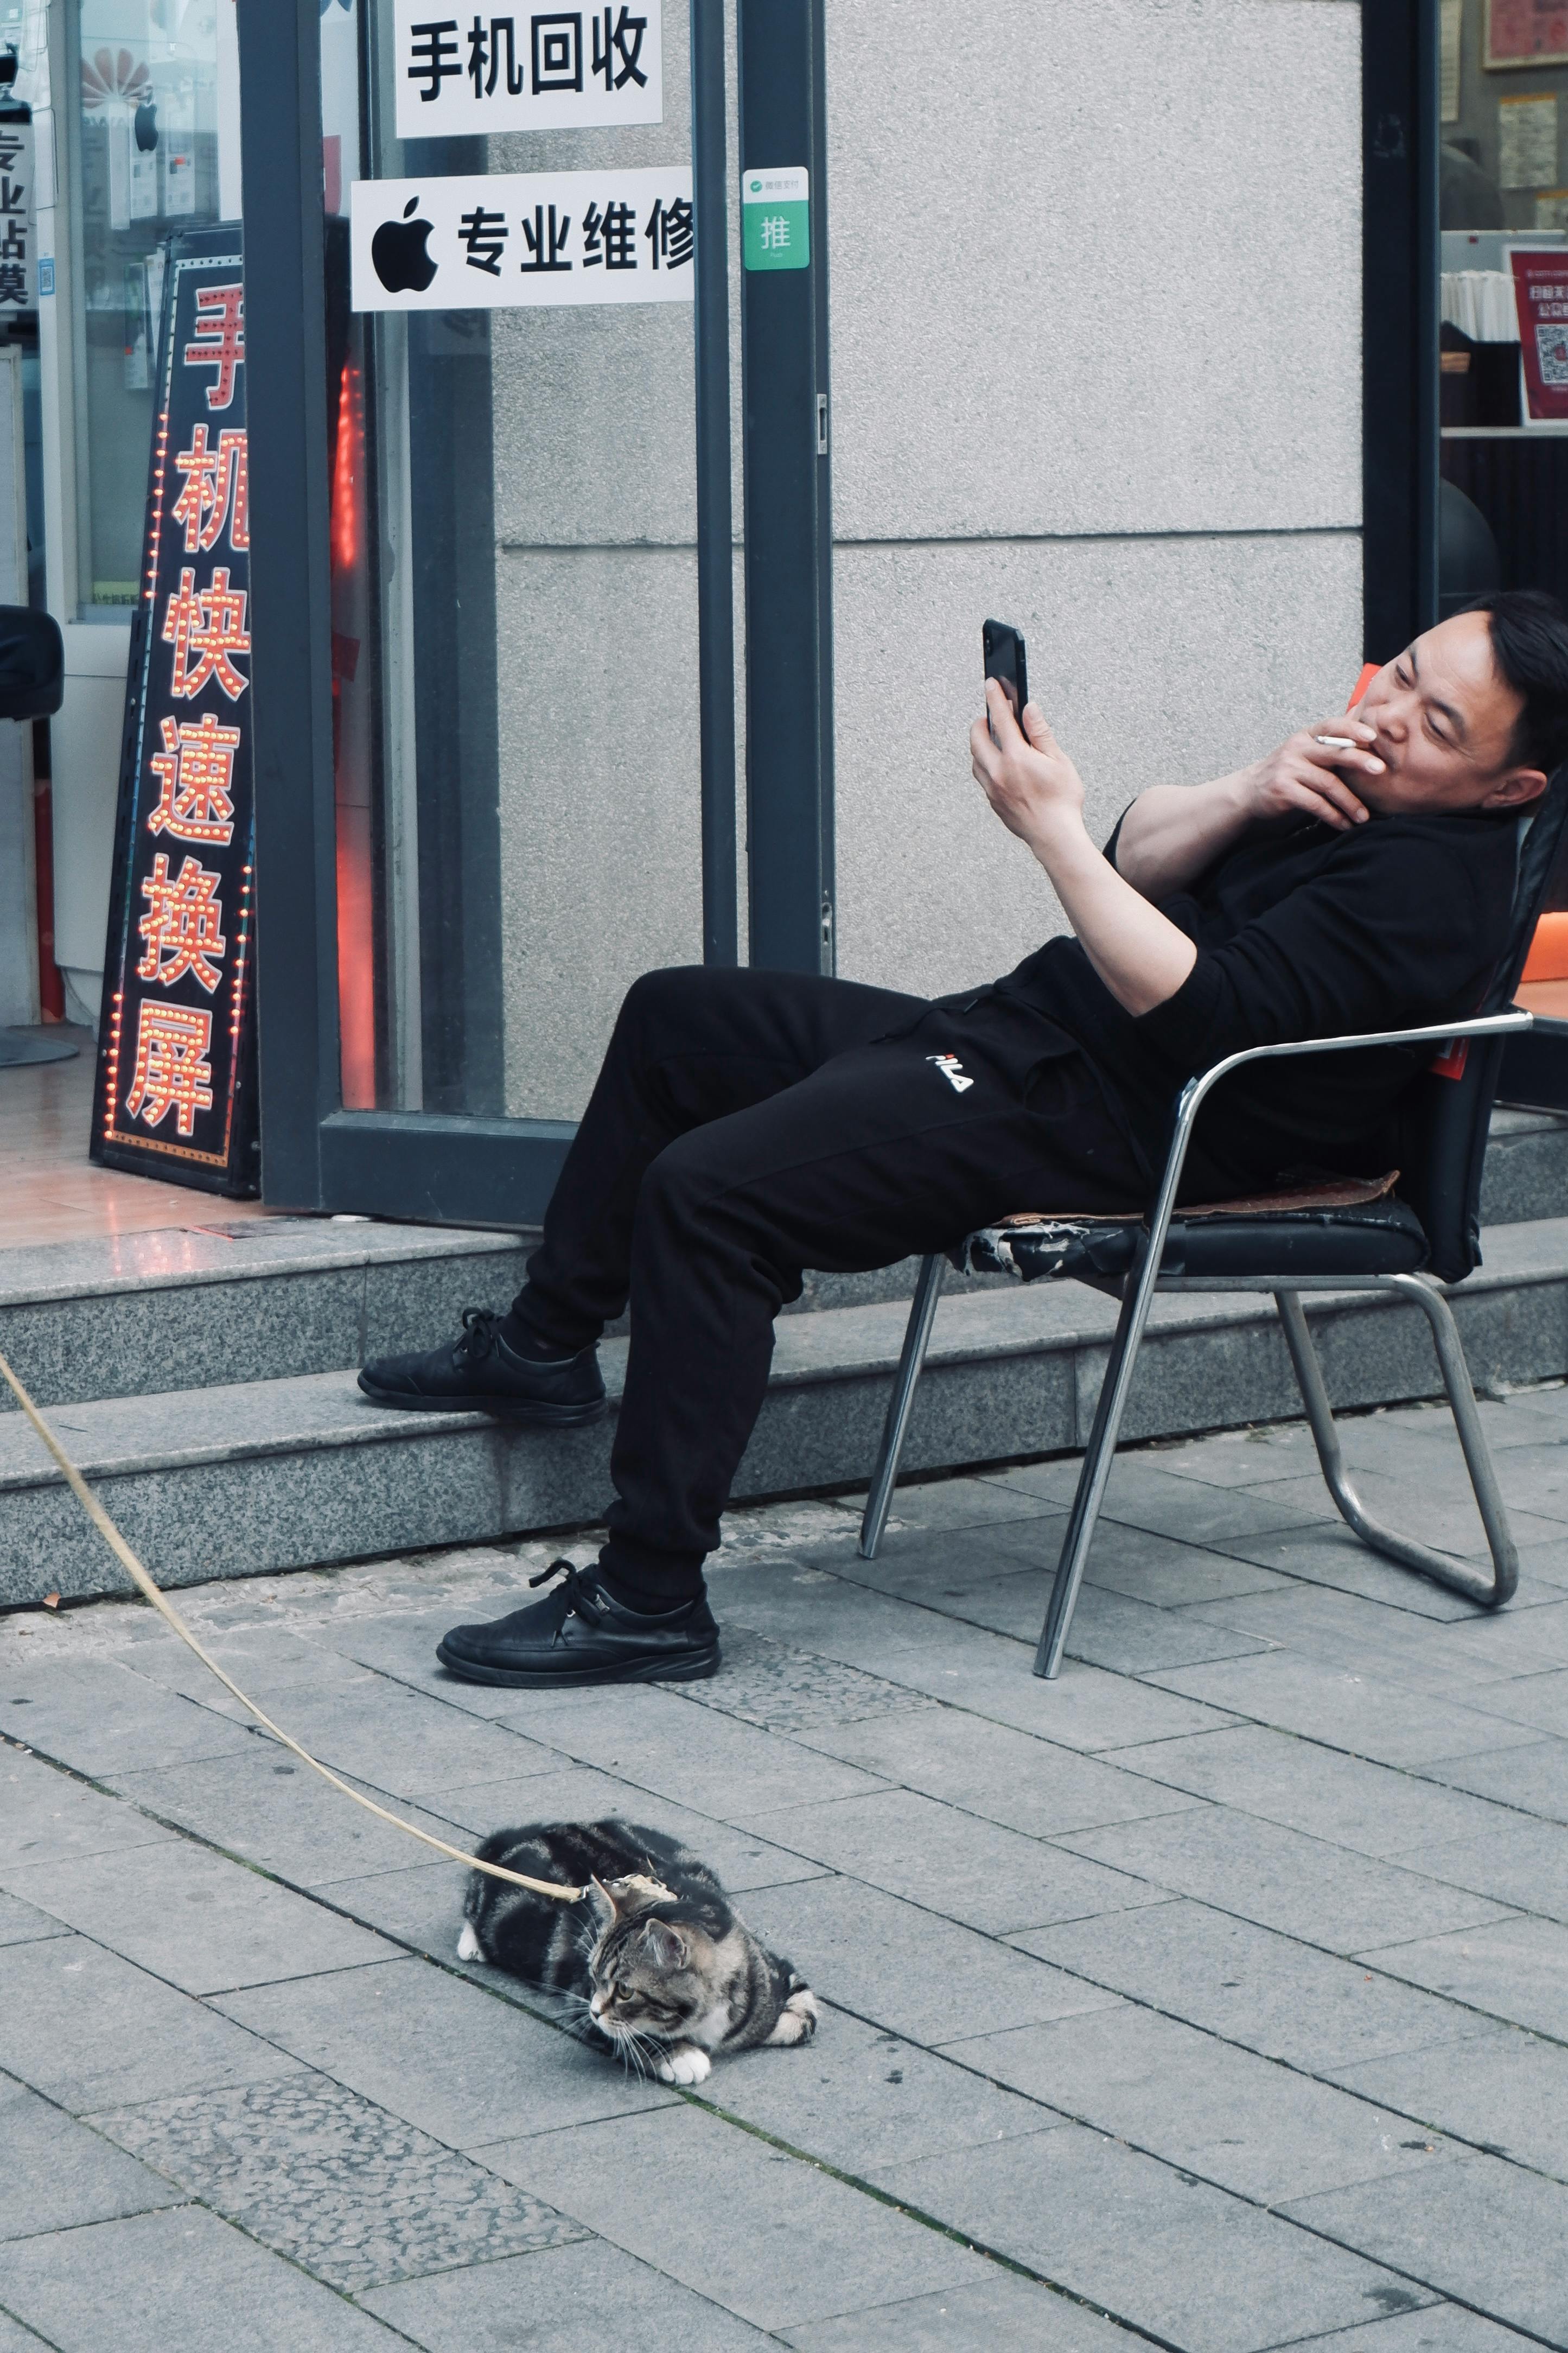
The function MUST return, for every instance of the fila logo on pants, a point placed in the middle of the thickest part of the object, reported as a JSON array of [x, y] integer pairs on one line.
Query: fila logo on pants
[[952, 1069]]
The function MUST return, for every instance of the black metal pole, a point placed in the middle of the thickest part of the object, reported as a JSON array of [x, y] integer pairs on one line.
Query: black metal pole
[[788, 510], [285, 332], [715, 528], [1400, 272]]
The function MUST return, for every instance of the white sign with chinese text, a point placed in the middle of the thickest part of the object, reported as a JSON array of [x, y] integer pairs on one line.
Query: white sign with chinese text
[[545, 69], [18, 230], [507, 239]]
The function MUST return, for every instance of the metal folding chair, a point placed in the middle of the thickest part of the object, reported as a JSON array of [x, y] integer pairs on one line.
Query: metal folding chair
[[1285, 1247]]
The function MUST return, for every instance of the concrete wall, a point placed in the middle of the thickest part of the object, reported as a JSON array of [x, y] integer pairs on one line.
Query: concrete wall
[[1095, 292], [1095, 284]]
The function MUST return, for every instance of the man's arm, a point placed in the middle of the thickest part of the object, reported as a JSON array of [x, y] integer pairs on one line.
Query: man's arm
[[1173, 832], [1037, 792]]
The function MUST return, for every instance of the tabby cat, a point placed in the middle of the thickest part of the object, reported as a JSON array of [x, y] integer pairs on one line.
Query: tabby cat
[[654, 1958]]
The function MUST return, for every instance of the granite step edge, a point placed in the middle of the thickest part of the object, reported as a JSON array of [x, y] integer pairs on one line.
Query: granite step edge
[[313, 1412], [175, 1257], [309, 1412]]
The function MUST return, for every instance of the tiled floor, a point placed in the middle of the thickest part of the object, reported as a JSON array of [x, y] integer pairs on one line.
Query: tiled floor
[[1214, 1997], [53, 1192]]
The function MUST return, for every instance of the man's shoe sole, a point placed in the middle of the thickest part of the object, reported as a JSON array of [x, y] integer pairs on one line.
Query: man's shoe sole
[[541, 1413], [694, 1667]]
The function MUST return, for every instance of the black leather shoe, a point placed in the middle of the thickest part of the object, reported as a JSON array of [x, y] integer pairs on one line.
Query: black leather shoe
[[578, 1634], [478, 1373]]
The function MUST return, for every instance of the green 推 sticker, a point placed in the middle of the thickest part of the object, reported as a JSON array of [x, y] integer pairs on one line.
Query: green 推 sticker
[[775, 218]]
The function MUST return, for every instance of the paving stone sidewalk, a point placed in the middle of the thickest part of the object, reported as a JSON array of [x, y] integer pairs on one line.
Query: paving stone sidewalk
[[1214, 1997]]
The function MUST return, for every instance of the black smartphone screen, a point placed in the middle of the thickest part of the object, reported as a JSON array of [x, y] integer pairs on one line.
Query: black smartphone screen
[[1006, 663]]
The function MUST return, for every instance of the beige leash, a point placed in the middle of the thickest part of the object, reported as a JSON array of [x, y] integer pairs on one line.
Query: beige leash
[[133, 1568]]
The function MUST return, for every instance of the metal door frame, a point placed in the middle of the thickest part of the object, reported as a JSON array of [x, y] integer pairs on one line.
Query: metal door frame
[[316, 1156], [787, 438], [1401, 139]]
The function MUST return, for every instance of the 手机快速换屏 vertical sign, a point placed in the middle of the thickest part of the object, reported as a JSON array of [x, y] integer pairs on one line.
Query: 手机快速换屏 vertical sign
[[176, 1094]]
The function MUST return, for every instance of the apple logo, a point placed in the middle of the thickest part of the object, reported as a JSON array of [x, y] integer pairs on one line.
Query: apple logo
[[399, 252]]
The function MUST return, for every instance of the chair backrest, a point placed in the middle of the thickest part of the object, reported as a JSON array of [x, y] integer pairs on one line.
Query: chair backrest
[[1451, 1114]]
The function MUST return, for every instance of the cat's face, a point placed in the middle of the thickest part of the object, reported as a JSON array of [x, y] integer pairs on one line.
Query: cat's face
[[649, 1978]]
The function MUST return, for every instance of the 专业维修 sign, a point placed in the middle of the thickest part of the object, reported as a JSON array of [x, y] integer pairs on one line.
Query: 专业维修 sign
[[506, 239], [549, 69], [775, 218]]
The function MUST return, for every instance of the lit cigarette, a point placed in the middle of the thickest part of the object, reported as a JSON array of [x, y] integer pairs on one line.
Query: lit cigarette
[[1339, 742]]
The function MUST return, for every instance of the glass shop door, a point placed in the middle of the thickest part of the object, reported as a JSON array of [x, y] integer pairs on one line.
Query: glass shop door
[[1502, 512], [498, 545]]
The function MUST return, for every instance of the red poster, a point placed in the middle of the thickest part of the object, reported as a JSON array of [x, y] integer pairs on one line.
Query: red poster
[[1527, 32], [1540, 292]]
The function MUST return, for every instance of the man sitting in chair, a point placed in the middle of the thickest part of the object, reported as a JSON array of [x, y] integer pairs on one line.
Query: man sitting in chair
[[746, 1125]]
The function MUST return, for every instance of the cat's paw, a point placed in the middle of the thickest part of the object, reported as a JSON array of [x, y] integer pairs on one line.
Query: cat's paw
[[684, 2065], [797, 2019], [468, 1945]]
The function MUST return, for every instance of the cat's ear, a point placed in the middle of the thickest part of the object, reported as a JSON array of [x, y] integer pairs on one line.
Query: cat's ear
[[665, 1945], [603, 1901]]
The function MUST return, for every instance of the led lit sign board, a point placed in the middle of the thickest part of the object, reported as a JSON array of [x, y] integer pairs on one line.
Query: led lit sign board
[[177, 1087]]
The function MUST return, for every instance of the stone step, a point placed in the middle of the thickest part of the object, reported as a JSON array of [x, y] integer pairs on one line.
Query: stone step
[[1526, 1173], [276, 1299], [238, 1478], [266, 1300]]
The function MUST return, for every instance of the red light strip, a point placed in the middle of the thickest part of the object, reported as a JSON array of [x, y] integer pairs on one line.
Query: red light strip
[[113, 1063]]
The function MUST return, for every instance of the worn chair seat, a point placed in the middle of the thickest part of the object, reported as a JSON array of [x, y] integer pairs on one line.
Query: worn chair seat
[[1347, 1228]]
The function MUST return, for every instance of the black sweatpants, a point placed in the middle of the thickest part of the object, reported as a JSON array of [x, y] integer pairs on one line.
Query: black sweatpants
[[746, 1125]]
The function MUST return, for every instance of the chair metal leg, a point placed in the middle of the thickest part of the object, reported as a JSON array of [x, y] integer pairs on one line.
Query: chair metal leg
[[1492, 1592], [1098, 1456], [911, 1361]]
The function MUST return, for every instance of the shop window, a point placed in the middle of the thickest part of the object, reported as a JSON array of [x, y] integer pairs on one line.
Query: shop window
[[1503, 298], [515, 733], [152, 106]]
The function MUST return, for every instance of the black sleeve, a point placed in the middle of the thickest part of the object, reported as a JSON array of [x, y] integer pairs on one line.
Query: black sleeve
[[1390, 934]]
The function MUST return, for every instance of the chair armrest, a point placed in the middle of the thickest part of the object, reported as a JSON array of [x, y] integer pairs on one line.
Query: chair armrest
[[1484, 1024]]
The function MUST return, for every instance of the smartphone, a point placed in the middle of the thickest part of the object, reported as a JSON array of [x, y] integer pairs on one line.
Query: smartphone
[[1004, 661]]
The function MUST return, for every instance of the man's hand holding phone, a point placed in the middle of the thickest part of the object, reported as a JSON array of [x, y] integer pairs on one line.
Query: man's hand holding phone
[[1022, 770], [1037, 792]]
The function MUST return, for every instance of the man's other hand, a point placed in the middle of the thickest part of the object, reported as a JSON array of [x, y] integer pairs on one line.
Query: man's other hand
[[1309, 774], [1025, 773]]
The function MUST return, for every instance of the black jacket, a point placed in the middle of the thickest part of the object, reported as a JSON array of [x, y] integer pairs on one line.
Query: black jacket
[[1301, 931]]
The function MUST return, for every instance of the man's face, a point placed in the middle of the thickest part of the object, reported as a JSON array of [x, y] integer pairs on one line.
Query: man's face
[[1445, 721]]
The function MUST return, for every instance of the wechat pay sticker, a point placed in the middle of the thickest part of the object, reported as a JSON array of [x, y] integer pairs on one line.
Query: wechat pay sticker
[[775, 218]]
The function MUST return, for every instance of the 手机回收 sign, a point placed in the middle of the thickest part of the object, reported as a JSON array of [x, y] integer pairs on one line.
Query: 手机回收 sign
[[463, 76], [503, 239], [177, 1095]]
